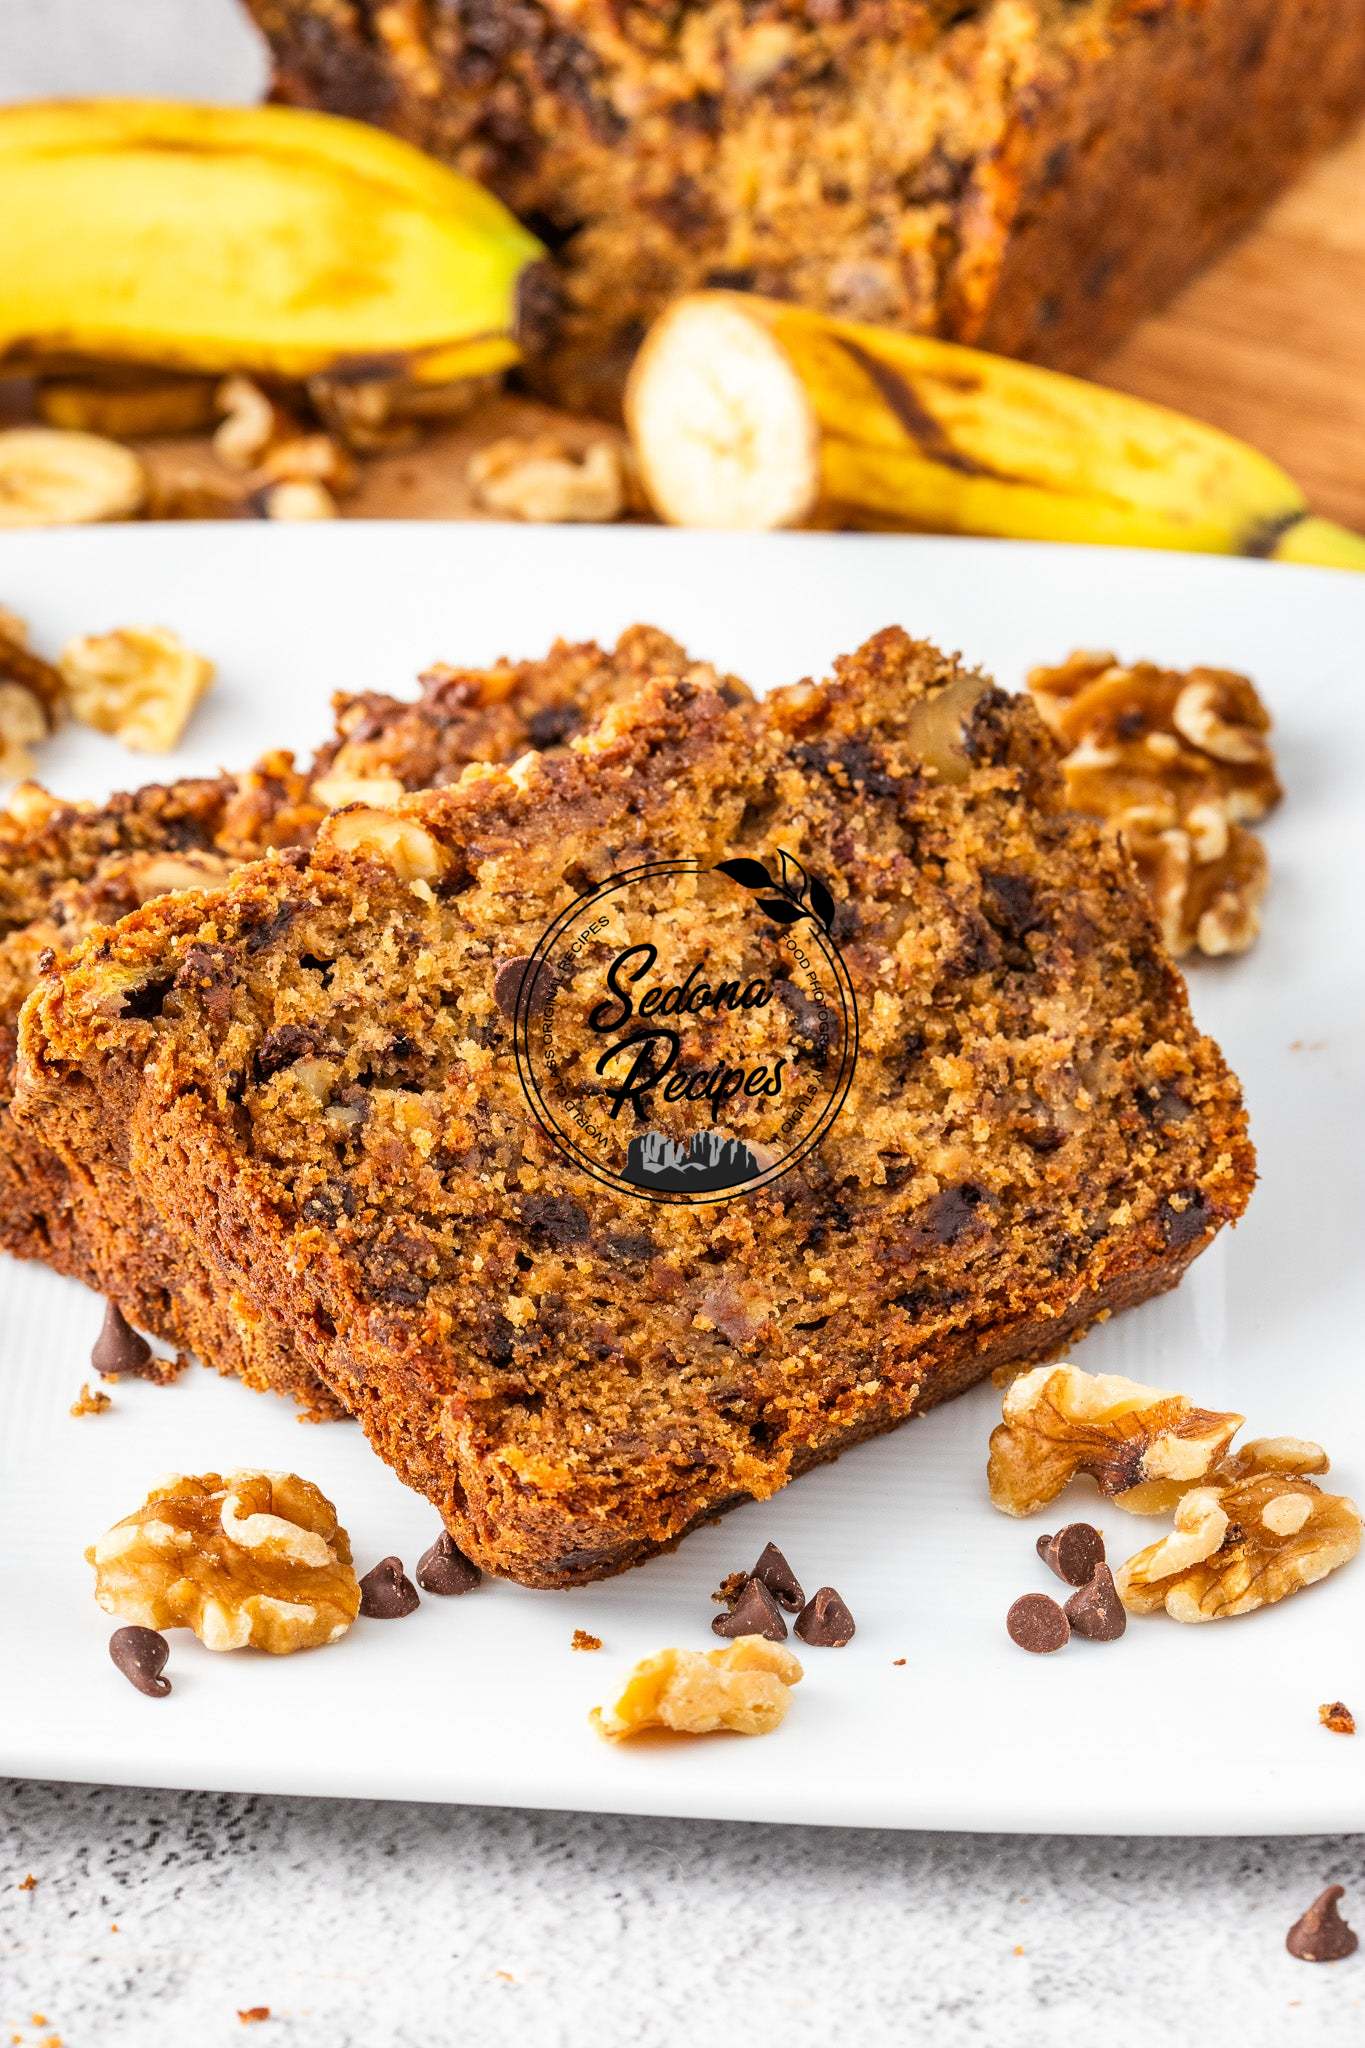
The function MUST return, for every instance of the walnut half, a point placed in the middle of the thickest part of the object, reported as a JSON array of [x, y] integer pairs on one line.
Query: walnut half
[[744, 1688], [1250, 1539], [252, 1560], [1142, 1447], [140, 683], [546, 481], [1175, 764]]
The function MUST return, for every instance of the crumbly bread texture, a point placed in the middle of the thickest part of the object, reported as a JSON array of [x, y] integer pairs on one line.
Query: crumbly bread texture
[[310, 1081], [66, 869], [1029, 175]]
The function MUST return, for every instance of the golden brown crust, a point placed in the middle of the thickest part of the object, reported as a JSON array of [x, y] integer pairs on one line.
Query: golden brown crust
[[1033, 175], [309, 1080]]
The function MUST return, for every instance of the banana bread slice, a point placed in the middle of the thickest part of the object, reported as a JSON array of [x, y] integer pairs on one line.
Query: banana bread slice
[[1029, 175], [310, 1080], [68, 868]]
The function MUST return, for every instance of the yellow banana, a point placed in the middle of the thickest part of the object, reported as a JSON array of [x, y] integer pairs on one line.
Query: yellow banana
[[749, 413], [262, 239]]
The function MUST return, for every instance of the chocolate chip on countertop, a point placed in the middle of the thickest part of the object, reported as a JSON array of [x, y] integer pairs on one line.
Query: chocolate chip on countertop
[[753, 1614], [781, 1581], [140, 1654], [1038, 1624], [825, 1622], [119, 1348], [1322, 1936], [387, 1593], [446, 1569], [1073, 1552], [1096, 1612]]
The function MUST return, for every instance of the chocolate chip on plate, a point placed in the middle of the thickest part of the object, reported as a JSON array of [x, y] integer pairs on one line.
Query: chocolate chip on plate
[[1321, 1935], [140, 1654], [755, 1613], [446, 1569], [825, 1622], [1038, 1624], [387, 1593], [1096, 1611], [119, 1348], [1073, 1552], [781, 1581]]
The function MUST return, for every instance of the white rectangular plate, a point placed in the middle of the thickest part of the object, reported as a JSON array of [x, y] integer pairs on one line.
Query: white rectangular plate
[[1172, 1729]]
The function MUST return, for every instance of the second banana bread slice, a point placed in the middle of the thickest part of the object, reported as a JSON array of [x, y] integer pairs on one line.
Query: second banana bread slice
[[310, 1080]]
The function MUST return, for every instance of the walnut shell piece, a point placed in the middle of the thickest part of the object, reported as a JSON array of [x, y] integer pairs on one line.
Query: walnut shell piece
[[1175, 764], [1210, 903], [1240, 1546], [1142, 735], [545, 481], [744, 1688], [23, 723], [1141, 1446], [387, 836], [253, 1560], [139, 683]]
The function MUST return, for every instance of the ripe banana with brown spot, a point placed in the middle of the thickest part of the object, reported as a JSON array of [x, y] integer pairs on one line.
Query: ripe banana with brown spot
[[264, 239], [746, 412]]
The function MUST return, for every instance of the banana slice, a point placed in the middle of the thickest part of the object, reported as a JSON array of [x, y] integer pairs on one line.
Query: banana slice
[[725, 431], [52, 478]]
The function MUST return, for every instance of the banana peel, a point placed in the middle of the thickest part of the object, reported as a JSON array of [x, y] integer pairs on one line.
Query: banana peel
[[264, 239], [746, 412]]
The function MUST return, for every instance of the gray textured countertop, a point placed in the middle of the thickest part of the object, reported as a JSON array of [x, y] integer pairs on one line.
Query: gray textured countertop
[[381, 1926]]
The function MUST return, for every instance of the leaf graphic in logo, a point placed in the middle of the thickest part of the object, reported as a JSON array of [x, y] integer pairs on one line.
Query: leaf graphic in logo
[[795, 880], [799, 893], [822, 903], [781, 909], [750, 874]]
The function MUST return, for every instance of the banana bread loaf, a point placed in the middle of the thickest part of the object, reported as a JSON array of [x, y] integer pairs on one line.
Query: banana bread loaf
[[1029, 175], [310, 1080], [67, 868]]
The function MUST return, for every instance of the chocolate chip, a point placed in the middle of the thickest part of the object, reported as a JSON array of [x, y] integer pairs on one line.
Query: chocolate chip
[[507, 986], [753, 1614], [282, 1047], [445, 1569], [140, 1654], [1181, 1224], [1097, 1611], [557, 1218], [825, 1622], [1073, 1552], [949, 1214], [119, 1349], [1038, 1624], [554, 725], [777, 1575], [1322, 1936], [387, 1593]]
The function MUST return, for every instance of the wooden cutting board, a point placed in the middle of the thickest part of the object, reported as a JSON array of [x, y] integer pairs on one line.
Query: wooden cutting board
[[1269, 344]]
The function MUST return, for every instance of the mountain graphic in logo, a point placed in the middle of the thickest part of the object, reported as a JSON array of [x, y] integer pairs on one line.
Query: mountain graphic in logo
[[707, 1161]]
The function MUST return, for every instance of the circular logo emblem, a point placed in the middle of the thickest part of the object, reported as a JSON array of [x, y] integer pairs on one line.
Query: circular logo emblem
[[686, 1031]]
